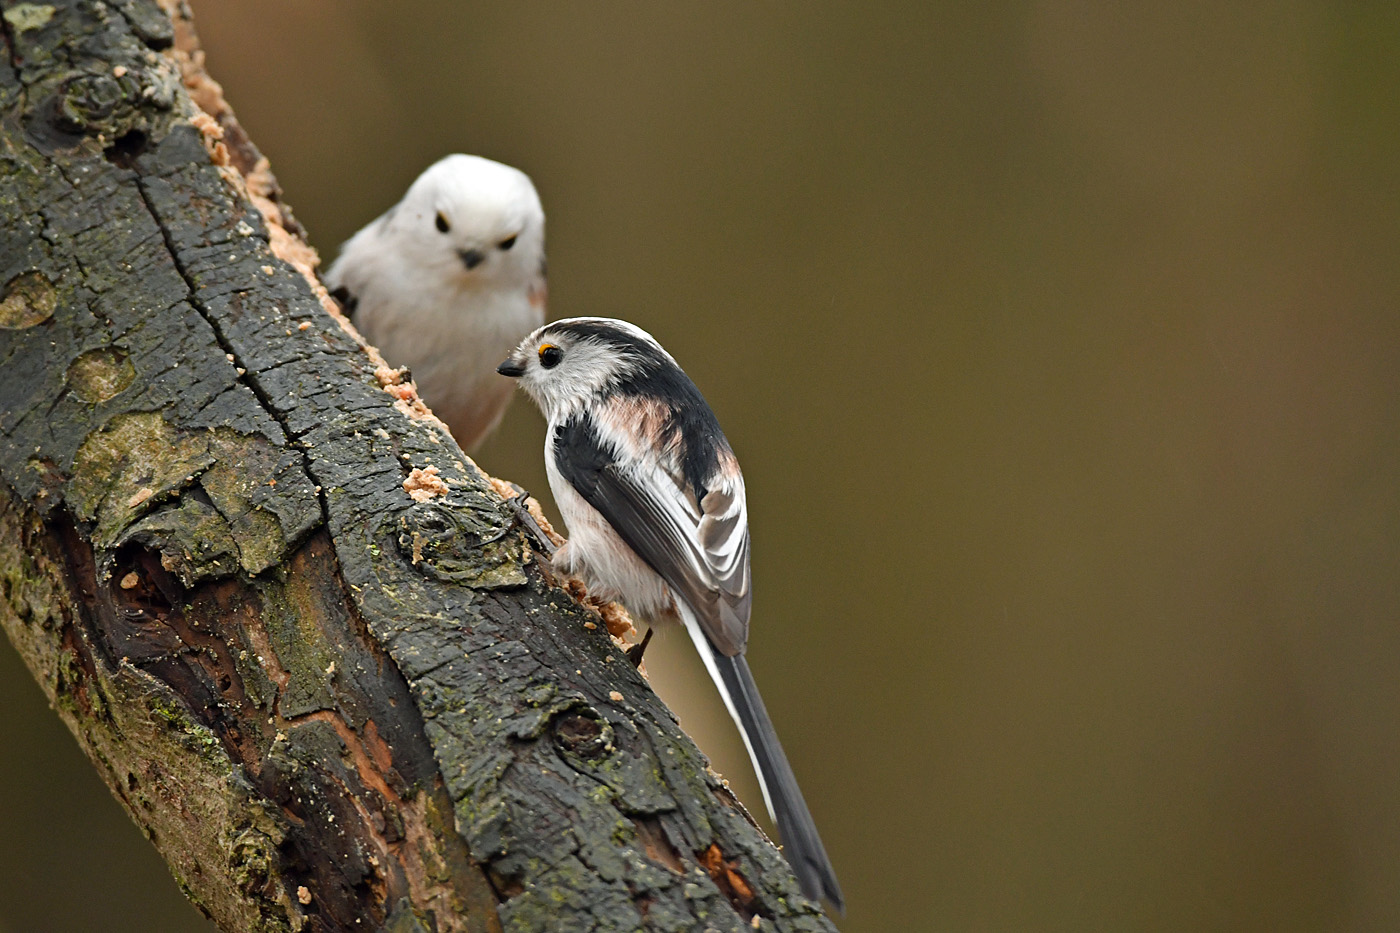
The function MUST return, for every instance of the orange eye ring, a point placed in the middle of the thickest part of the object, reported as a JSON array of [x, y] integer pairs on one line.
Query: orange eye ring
[[550, 355]]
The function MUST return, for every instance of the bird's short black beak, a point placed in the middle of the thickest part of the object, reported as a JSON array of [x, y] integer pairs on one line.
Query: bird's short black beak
[[471, 258], [511, 368]]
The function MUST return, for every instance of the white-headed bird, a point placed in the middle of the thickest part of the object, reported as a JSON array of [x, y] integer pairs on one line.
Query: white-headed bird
[[447, 281], [654, 501]]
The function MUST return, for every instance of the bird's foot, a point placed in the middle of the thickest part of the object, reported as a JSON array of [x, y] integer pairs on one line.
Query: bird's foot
[[523, 516], [634, 653]]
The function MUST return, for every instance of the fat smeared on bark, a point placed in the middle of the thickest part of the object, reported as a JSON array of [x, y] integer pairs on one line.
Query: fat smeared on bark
[[330, 706]]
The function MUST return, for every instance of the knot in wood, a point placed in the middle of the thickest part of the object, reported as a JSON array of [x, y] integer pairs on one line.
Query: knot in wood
[[453, 544], [582, 732], [88, 103]]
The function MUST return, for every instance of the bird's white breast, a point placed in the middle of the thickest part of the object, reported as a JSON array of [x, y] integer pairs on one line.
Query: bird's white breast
[[606, 564], [452, 340]]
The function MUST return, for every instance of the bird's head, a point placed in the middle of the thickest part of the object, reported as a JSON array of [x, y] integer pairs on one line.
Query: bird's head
[[565, 364], [473, 220]]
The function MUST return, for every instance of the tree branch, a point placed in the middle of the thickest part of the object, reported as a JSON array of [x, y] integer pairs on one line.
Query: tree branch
[[330, 704]]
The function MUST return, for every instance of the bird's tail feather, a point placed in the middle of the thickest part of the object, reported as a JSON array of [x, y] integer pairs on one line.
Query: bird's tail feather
[[802, 845]]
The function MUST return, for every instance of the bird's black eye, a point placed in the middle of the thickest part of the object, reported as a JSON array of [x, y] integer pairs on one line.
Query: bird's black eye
[[550, 355], [508, 242], [441, 222]]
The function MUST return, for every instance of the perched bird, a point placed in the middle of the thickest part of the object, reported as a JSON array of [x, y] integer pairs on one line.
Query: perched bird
[[447, 281], [654, 501]]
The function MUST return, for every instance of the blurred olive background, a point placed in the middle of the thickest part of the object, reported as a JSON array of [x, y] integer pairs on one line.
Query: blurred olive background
[[1060, 343]]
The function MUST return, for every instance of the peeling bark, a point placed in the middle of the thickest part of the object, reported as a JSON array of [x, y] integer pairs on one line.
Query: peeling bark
[[329, 704]]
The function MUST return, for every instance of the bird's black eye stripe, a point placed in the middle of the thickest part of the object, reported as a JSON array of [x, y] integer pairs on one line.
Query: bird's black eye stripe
[[550, 355], [441, 222], [508, 242]]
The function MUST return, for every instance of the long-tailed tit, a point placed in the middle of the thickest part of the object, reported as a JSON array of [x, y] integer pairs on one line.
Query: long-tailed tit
[[654, 501], [447, 281]]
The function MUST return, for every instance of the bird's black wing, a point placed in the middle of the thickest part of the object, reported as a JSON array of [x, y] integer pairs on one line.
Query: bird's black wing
[[699, 546]]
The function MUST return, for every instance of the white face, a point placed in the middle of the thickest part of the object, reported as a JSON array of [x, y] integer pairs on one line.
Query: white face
[[474, 221], [562, 372]]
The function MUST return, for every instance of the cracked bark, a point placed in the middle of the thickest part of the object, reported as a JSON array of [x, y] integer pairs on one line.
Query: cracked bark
[[328, 705]]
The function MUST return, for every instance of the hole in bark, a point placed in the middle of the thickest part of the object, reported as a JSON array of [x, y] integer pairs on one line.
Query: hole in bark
[[657, 844], [579, 729], [142, 590], [139, 601], [505, 887], [131, 782], [127, 148], [726, 876], [584, 734]]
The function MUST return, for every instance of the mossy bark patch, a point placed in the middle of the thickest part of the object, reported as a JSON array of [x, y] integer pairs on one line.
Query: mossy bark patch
[[25, 16], [98, 375], [28, 299], [138, 466], [128, 467]]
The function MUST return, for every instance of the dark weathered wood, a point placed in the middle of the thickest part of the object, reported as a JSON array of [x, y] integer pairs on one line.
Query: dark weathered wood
[[329, 705]]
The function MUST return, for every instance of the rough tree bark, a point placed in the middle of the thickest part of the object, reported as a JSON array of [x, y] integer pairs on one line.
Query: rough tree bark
[[330, 704]]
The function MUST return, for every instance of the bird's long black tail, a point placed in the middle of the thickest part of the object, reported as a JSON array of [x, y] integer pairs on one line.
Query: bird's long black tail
[[801, 844]]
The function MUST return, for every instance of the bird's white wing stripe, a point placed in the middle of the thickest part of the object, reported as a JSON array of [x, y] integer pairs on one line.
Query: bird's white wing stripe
[[682, 520], [699, 548]]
